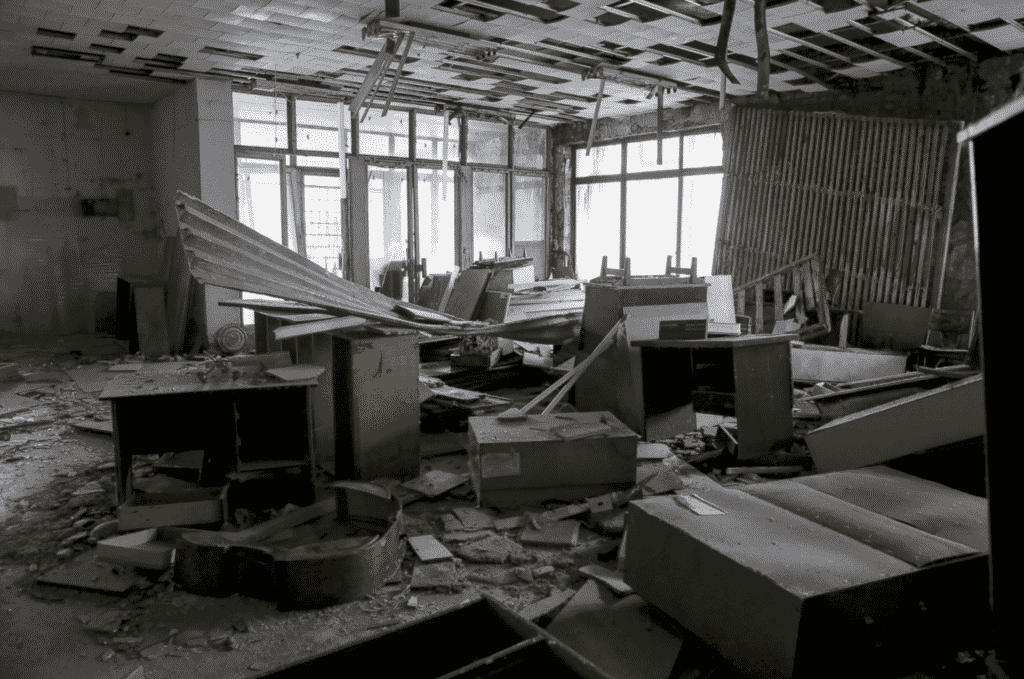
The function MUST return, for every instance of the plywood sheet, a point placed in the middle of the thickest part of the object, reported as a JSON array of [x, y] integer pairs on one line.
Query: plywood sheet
[[466, 294]]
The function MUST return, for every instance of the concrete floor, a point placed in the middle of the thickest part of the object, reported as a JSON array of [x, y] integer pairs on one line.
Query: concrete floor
[[43, 631]]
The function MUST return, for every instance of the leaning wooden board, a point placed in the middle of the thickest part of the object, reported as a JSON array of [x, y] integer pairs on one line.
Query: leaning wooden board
[[940, 416]]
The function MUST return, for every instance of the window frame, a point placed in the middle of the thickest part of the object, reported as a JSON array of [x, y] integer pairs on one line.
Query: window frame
[[623, 177]]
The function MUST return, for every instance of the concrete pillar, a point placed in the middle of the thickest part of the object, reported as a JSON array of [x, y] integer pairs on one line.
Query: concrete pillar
[[194, 152]]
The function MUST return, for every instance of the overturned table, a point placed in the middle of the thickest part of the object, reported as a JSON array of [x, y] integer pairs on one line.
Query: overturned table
[[749, 377]]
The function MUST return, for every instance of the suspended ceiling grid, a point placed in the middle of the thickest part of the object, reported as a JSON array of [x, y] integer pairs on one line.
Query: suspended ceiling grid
[[510, 58]]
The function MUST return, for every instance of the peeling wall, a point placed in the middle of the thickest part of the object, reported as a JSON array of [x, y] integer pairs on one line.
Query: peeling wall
[[565, 135], [58, 269]]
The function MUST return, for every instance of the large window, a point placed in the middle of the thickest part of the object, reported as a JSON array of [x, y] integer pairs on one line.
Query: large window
[[506, 187], [627, 205], [419, 205]]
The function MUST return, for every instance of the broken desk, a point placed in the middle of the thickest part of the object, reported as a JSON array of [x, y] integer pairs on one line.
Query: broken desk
[[748, 377]]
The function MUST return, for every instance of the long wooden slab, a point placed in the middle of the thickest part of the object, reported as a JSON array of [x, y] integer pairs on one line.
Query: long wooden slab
[[940, 416]]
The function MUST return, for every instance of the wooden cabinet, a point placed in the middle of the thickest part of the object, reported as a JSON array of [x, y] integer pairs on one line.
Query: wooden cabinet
[[748, 377], [366, 412], [650, 403]]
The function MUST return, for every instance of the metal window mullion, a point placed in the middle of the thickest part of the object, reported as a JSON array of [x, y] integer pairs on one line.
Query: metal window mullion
[[412, 136], [413, 248], [509, 216], [292, 124], [622, 210], [284, 201], [679, 207], [354, 126]]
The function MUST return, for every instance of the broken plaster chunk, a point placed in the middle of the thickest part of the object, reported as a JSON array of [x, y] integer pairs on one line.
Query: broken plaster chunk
[[542, 571], [72, 539], [473, 519], [428, 548], [431, 575], [103, 530], [494, 549], [559, 533]]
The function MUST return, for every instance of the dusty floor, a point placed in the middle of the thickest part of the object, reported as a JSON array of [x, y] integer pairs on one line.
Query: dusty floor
[[52, 475]]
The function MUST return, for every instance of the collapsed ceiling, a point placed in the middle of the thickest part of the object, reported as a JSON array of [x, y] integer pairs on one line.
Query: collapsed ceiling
[[508, 58]]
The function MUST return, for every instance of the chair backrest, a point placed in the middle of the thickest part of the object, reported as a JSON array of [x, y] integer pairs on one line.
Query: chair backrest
[[622, 273], [951, 329], [676, 270]]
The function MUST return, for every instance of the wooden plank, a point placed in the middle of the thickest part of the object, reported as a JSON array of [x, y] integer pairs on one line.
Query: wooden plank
[[144, 549], [151, 320], [176, 514], [937, 417], [777, 297], [814, 363], [808, 291], [467, 292], [644, 322], [759, 308], [801, 317], [303, 329]]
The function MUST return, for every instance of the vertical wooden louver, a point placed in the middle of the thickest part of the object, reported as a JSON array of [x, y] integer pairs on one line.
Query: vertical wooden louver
[[868, 195]]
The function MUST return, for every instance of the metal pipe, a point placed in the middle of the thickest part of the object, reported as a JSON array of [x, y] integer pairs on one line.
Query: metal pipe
[[661, 105]]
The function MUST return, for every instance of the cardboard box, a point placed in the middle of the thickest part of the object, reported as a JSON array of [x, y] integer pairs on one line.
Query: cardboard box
[[568, 456], [844, 574]]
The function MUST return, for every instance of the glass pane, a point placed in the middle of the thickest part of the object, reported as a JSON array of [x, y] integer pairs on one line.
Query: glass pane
[[260, 120], [602, 160], [488, 143], [316, 161], [702, 195], [322, 211], [702, 150], [430, 137], [436, 219], [597, 227], [389, 226], [528, 220], [387, 136], [259, 196], [529, 147], [317, 125], [651, 210], [488, 213], [642, 156], [259, 204]]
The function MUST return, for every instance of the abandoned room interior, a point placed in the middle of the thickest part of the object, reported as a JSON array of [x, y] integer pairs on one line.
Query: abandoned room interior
[[615, 339]]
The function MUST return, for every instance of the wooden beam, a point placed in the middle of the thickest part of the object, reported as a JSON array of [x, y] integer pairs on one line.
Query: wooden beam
[[387, 52]]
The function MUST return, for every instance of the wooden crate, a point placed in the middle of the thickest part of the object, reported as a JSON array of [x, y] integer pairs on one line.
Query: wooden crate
[[521, 462]]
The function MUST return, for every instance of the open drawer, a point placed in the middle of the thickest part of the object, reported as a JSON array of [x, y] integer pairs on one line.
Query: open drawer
[[498, 643]]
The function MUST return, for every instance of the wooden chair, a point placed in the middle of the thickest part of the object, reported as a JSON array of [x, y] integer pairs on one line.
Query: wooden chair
[[622, 273], [949, 339], [676, 270]]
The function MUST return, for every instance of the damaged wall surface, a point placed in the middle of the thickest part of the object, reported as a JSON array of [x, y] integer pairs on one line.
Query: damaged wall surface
[[58, 268]]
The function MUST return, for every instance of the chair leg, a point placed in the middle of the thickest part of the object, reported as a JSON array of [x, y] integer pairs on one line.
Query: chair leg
[[604, 266]]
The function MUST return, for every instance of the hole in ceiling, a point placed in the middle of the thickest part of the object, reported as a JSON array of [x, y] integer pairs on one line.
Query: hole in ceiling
[[55, 34], [665, 61], [148, 32], [231, 53], [629, 101], [467, 10], [107, 48], [988, 25], [116, 35], [73, 55], [610, 19]]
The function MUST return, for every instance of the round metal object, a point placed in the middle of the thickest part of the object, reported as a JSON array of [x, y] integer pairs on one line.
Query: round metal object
[[230, 339]]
